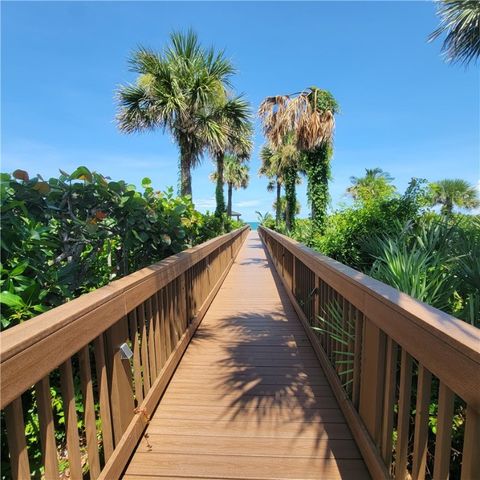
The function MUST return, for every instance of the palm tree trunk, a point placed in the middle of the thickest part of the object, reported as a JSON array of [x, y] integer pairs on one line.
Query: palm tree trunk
[[278, 210], [185, 170], [291, 197], [229, 204], [219, 187]]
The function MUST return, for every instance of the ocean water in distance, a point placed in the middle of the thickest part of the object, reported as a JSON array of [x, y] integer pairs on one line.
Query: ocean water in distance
[[253, 225]]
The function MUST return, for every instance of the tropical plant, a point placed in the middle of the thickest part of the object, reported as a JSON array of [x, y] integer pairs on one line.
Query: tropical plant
[[460, 21], [282, 162], [265, 219], [182, 90], [270, 170], [72, 234], [451, 193], [281, 205], [375, 185], [236, 176], [310, 116], [234, 117]]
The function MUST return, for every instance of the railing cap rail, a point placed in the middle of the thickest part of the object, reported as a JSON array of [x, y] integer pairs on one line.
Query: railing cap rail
[[459, 334], [22, 336]]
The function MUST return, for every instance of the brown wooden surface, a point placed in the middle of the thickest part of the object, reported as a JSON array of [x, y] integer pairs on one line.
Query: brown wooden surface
[[30, 352], [454, 345], [249, 399]]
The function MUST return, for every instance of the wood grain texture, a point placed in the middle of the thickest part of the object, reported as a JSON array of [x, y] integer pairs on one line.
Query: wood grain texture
[[29, 352], [454, 345], [249, 398]]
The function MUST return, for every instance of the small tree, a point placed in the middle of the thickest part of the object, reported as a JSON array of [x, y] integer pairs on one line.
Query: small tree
[[375, 185], [451, 193]]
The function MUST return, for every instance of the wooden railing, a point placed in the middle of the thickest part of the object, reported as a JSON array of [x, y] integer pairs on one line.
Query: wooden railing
[[388, 358], [80, 350]]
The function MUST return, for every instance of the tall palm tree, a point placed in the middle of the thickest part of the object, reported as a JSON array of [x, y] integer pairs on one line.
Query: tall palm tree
[[270, 169], [376, 184], [235, 118], [283, 163], [460, 21], [310, 115], [451, 193], [236, 176], [182, 90]]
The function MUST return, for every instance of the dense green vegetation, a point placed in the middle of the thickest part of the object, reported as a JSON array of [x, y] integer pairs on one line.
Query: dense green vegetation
[[72, 234], [403, 242]]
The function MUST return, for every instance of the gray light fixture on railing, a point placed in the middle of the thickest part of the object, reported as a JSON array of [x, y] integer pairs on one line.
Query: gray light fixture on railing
[[125, 352]]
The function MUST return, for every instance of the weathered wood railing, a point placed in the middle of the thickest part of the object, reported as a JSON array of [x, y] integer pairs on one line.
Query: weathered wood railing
[[387, 356], [75, 349]]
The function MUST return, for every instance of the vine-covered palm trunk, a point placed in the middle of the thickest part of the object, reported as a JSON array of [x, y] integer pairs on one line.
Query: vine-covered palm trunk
[[229, 204], [291, 197], [317, 167], [278, 209], [219, 197]]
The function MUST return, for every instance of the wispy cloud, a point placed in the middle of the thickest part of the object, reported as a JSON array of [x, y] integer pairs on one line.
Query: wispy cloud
[[204, 203], [248, 203]]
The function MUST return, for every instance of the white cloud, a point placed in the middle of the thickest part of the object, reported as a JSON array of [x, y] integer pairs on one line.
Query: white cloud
[[204, 203], [248, 203]]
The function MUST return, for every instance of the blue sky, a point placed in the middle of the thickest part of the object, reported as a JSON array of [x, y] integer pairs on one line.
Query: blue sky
[[402, 108]]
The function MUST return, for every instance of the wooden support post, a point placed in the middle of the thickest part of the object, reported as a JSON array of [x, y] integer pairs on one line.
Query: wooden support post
[[121, 392], [471, 458], [372, 379], [16, 440], [47, 429]]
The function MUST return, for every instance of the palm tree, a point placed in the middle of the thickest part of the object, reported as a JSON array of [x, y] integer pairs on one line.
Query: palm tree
[[283, 163], [235, 118], [460, 20], [376, 184], [182, 90], [236, 176], [451, 193], [310, 115], [269, 169]]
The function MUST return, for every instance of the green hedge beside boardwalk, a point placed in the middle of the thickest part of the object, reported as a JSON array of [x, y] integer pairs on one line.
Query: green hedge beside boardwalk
[[75, 233]]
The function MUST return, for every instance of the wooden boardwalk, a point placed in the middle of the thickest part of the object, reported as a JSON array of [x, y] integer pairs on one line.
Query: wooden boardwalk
[[249, 399]]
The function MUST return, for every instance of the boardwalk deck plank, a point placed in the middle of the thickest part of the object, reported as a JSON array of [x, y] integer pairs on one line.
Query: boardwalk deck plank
[[249, 399]]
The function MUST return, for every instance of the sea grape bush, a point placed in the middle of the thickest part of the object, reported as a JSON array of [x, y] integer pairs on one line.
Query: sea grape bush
[[72, 234]]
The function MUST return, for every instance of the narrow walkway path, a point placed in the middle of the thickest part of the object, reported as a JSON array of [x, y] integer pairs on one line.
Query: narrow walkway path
[[249, 399]]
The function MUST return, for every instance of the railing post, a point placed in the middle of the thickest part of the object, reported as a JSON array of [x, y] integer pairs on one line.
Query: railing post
[[293, 274], [372, 379], [120, 379]]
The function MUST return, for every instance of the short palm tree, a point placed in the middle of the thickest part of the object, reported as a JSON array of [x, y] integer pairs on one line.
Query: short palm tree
[[182, 90], [235, 118], [283, 163], [269, 168], [451, 193], [376, 184], [460, 21], [236, 176], [310, 115]]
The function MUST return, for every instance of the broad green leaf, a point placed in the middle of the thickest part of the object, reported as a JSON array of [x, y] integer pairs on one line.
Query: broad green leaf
[[82, 173], [11, 300]]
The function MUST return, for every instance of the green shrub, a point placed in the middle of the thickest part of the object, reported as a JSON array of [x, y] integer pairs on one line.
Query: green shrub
[[72, 234]]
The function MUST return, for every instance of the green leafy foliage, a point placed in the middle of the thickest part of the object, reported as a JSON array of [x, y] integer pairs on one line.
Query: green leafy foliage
[[72, 234]]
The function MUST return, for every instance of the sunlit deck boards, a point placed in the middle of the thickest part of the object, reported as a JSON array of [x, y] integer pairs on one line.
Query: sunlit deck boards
[[249, 399]]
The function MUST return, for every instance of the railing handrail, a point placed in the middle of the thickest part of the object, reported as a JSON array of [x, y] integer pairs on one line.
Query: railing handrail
[[73, 325], [453, 346]]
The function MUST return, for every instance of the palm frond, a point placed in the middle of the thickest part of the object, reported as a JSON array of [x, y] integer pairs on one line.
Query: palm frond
[[460, 22]]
